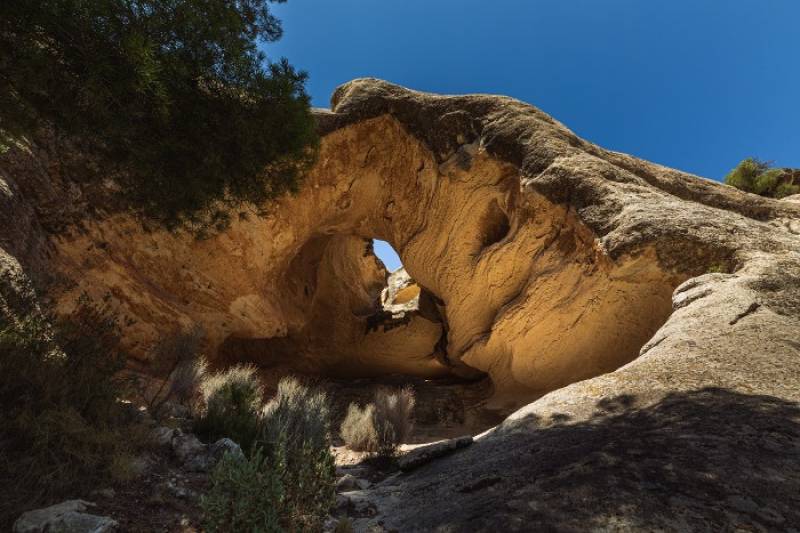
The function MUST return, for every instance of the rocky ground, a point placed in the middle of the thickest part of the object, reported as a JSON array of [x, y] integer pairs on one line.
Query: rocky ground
[[171, 477]]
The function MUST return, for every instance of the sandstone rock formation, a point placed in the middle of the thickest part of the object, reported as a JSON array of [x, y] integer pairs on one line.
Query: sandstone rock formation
[[541, 260]]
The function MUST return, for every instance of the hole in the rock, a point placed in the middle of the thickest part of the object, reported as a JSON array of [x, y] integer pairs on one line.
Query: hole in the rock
[[384, 251], [361, 327], [494, 225]]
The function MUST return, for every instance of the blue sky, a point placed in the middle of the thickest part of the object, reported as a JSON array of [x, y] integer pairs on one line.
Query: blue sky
[[692, 84]]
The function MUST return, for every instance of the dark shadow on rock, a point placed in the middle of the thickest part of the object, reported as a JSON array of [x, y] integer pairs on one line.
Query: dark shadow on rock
[[708, 460]]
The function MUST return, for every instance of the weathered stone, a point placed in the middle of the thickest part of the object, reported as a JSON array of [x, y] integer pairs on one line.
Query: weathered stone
[[348, 483], [427, 453], [654, 314], [162, 435], [66, 517], [218, 449]]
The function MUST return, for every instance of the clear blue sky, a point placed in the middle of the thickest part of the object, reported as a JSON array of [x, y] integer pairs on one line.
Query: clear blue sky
[[693, 84]]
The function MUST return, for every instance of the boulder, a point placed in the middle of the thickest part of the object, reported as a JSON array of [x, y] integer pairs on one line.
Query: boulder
[[348, 483], [218, 449], [66, 517], [427, 453]]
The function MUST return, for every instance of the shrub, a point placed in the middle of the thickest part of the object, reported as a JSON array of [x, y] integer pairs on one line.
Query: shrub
[[298, 415], [231, 404], [291, 451], [393, 418], [344, 525], [63, 430], [787, 189], [755, 176], [182, 369], [245, 494], [296, 426], [358, 428], [381, 426], [187, 379]]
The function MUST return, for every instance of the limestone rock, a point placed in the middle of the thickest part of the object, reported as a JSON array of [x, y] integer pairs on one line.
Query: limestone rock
[[66, 517]]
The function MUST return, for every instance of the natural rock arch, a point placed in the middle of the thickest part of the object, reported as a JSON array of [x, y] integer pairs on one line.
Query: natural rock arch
[[546, 259]]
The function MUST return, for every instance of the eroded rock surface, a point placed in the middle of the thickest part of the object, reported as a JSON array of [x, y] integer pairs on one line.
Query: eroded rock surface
[[541, 260]]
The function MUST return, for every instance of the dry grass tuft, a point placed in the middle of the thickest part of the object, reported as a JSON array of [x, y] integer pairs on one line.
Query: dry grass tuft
[[382, 426]]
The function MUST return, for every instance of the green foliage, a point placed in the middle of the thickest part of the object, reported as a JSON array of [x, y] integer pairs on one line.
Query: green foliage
[[381, 426], [63, 429], [297, 414], [246, 494], [291, 452], [752, 175], [232, 401], [296, 425], [787, 189], [172, 95]]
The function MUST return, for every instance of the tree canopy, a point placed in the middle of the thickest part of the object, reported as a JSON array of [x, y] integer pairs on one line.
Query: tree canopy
[[173, 96], [753, 175]]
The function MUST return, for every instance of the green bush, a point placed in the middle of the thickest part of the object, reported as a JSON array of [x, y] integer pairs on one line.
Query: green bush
[[246, 494], [382, 426], [298, 415], [755, 176], [232, 402], [291, 449], [63, 429], [298, 420]]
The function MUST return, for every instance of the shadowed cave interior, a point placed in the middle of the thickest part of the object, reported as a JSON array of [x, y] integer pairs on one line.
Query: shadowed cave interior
[[398, 335]]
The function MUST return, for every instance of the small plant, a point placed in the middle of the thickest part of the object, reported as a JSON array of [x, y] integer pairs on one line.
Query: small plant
[[245, 494], [290, 463], [717, 268], [232, 402], [358, 428], [382, 426]]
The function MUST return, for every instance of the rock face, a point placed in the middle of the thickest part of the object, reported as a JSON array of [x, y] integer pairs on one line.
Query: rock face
[[541, 260]]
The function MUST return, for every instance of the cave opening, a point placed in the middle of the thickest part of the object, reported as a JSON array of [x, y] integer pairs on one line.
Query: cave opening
[[361, 323]]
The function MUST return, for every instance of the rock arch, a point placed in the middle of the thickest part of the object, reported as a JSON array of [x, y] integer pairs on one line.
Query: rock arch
[[544, 259]]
